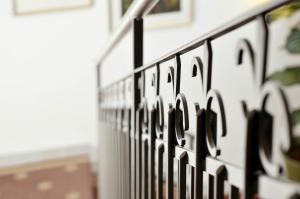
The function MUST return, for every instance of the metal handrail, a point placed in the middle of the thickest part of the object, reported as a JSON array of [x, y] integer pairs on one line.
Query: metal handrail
[[138, 9]]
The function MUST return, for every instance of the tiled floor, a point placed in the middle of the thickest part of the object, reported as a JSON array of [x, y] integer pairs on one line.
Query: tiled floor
[[70, 178]]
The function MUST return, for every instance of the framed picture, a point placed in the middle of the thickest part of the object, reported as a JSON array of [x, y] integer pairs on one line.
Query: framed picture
[[24, 7], [166, 13]]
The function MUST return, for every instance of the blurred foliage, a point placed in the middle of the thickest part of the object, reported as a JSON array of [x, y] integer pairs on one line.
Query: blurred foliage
[[295, 117], [288, 76], [285, 11], [293, 41], [125, 5]]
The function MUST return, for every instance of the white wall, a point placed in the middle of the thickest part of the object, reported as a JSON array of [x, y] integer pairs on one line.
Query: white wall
[[47, 78]]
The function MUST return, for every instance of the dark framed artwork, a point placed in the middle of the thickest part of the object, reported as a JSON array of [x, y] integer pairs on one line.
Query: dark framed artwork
[[165, 13]]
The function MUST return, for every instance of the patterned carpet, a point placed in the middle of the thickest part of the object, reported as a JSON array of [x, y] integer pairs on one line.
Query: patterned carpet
[[70, 178]]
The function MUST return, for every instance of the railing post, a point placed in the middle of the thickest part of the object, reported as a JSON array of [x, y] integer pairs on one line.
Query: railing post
[[138, 42], [138, 31]]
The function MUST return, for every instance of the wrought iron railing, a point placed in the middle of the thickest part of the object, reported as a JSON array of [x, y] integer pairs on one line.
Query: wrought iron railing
[[179, 128]]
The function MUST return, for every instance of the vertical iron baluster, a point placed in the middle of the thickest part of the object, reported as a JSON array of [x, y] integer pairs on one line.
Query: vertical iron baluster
[[145, 169], [210, 192], [199, 152], [116, 171], [192, 183], [137, 62], [170, 146], [138, 153], [133, 165], [219, 182], [114, 166], [160, 173], [151, 141], [234, 192], [182, 175], [129, 143], [118, 146], [251, 156]]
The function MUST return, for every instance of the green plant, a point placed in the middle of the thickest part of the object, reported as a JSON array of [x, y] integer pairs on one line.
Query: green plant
[[293, 41], [285, 11], [288, 76]]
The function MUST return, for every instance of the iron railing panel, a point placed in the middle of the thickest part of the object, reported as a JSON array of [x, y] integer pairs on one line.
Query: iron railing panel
[[196, 123]]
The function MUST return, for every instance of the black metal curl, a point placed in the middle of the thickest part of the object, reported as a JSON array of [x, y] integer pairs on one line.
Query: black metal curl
[[145, 113], [181, 118], [212, 119], [141, 83], [156, 79], [170, 76], [197, 69], [208, 56], [244, 47], [153, 80], [266, 128], [159, 117]]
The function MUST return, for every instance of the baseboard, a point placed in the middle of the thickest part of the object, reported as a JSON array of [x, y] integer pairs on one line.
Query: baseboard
[[51, 154]]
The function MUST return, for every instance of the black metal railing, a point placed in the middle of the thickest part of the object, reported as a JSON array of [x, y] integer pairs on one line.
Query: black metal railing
[[180, 128]]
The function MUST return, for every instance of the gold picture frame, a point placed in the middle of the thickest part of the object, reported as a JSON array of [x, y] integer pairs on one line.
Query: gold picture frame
[[28, 7]]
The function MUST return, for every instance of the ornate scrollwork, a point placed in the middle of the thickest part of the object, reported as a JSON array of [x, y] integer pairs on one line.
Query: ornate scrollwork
[[269, 91], [261, 121], [212, 120], [202, 70], [159, 117], [170, 77], [159, 139], [143, 106], [181, 109], [144, 114], [244, 47], [197, 69], [181, 119], [265, 91]]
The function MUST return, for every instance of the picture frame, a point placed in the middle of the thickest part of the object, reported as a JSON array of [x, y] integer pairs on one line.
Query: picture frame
[[27, 7], [163, 15]]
